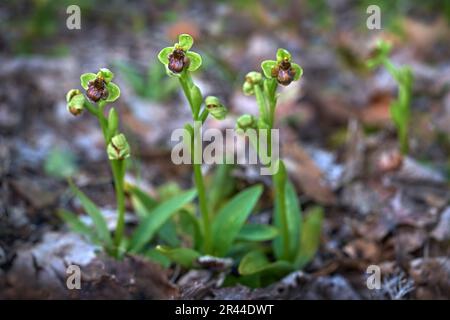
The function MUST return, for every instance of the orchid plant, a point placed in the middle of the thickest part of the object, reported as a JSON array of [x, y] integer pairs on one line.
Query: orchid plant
[[298, 238], [400, 108], [99, 92], [214, 233]]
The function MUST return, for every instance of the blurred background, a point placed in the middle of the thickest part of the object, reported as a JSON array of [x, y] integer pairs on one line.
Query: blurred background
[[335, 121]]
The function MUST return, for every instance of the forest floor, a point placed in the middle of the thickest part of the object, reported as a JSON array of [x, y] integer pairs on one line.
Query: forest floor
[[381, 208]]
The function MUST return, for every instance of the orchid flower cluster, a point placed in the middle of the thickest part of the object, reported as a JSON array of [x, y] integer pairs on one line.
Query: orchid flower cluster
[[177, 230]]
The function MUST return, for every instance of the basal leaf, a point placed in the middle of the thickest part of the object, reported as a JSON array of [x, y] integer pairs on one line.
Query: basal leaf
[[293, 215], [168, 233], [142, 202], [156, 218], [182, 256], [156, 256], [190, 225], [310, 236], [92, 210], [255, 262], [231, 218], [76, 225], [257, 232]]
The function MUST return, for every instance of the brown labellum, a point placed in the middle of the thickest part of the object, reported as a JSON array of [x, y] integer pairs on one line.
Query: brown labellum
[[178, 61], [284, 73], [97, 90]]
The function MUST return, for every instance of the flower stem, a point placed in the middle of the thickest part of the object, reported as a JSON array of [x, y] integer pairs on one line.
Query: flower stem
[[207, 241], [261, 102], [118, 170], [186, 83], [278, 179]]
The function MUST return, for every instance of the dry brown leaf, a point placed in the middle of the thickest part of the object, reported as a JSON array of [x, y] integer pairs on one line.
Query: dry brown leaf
[[306, 175], [377, 111]]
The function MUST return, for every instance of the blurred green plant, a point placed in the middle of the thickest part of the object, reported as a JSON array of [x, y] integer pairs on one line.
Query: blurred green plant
[[60, 163], [38, 21], [400, 109], [298, 240], [152, 85]]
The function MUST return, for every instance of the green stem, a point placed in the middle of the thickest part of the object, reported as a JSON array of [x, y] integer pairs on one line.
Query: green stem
[[278, 179], [261, 101], [186, 84], [118, 170], [203, 207], [91, 108], [390, 68]]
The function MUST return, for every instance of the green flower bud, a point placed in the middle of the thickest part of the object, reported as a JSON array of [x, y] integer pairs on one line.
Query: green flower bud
[[75, 102], [283, 69], [251, 79], [248, 89], [244, 122], [71, 93], [254, 77], [118, 148], [215, 108], [106, 74]]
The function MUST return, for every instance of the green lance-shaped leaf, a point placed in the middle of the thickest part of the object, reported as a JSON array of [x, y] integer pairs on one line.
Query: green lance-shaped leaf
[[92, 210], [232, 216], [293, 214], [257, 232], [76, 225], [157, 217], [255, 262], [142, 202], [185, 257], [310, 236], [113, 123]]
